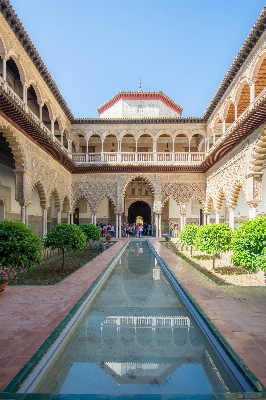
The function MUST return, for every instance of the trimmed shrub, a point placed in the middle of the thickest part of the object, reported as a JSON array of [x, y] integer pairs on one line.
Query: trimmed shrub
[[66, 237], [213, 238], [20, 247], [92, 232], [188, 234], [249, 244]]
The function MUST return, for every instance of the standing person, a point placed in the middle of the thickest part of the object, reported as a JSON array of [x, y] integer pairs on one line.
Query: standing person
[[154, 230], [175, 230], [171, 227], [112, 231], [149, 229], [123, 229], [137, 229], [134, 230], [104, 230], [140, 230]]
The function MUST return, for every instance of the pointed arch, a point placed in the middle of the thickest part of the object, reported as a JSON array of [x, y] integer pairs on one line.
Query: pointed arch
[[131, 178], [57, 200], [235, 192], [260, 151], [13, 143], [20, 67], [66, 204], [42, 194], [103, 197], [76, 199]]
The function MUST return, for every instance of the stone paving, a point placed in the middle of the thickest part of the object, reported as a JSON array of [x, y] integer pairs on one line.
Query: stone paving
[[28, 314]]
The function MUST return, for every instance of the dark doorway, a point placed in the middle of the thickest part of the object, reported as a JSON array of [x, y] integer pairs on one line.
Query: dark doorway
[[139, 209], [76, 216]]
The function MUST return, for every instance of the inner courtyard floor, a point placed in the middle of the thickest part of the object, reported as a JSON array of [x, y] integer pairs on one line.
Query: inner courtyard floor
[[28, 314]]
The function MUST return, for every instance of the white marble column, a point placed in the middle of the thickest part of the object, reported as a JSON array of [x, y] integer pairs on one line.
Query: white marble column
[[235, 111], [62, 138], [232, 219], [22, 213], [40, 112], [44, 221], [68, 217], [252, 212], [69, 145], [116, 226], [159, 225], [217, 218], [207, 219], [4, 68], [27, 214], [58, 217], [94, 219], [252, 91], [223, 126], [120, 224], [156, 224], [71, 219], [24, 93]]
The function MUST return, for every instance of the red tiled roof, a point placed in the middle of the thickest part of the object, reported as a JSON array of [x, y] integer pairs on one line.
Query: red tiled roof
[[141, 96]]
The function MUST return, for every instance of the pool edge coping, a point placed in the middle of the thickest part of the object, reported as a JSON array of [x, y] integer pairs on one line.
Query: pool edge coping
[[24, 372], [235, 358]]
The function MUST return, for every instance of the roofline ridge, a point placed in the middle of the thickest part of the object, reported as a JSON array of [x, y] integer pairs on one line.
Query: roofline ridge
[[246, 48], [36, 59]]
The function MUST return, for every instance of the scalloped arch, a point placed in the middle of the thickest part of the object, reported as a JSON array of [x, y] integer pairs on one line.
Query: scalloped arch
[[42, 195], [131, 178], [259, 152], [101, 198], [21, 69], [14, 145]]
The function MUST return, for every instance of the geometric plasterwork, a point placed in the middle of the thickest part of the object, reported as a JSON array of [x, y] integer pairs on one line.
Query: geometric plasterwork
[[195, 207], [226, 183], [93, 193], [183, 192]]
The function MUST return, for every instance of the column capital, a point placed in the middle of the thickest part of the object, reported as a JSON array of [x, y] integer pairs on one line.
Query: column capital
[[252, 204]]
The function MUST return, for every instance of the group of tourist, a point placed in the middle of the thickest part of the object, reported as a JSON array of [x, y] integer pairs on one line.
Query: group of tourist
[[137, 230], [128, 230], [173, 230], [106, 229]]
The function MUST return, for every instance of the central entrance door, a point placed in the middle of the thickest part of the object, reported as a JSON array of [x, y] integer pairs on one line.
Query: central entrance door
[[137, 211]]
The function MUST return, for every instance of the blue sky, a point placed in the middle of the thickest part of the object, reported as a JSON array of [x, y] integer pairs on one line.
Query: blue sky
[[94, 48]]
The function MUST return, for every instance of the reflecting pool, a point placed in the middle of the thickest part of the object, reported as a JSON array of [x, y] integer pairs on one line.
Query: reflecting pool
[[135, 337]]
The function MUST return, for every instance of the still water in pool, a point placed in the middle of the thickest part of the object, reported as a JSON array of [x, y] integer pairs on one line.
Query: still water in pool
[[135, 337]]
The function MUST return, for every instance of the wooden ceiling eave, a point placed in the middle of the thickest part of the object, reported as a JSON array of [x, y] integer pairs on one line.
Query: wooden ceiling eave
[[20, 120], [252, 121]]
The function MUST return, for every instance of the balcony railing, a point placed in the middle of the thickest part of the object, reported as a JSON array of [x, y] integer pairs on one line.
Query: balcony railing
[[138, 157], [19, 102]]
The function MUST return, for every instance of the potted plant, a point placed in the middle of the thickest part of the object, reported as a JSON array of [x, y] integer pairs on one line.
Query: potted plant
[[108, 237], [5, 275], [168, 238]]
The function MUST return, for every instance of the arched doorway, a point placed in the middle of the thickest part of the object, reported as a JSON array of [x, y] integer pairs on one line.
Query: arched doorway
[[76, 216], [139, 210]]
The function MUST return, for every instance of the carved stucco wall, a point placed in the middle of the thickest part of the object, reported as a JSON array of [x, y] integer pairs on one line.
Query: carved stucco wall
[[35, 167], [181, 187], [232, 173]]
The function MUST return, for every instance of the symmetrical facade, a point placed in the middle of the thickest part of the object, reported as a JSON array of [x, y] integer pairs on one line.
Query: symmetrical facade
[[140, 158]]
